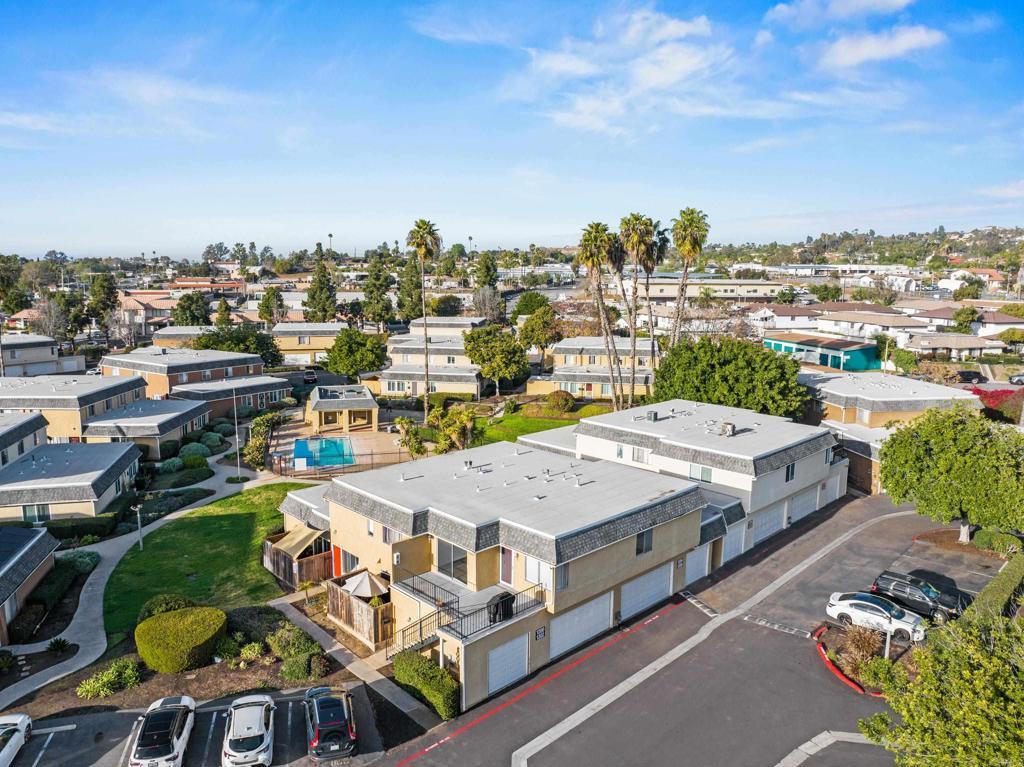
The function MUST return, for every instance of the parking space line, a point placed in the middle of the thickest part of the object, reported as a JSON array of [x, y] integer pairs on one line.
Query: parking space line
[[777, 626], [209, 735], [128, 744], [48, 730], [42, 750]]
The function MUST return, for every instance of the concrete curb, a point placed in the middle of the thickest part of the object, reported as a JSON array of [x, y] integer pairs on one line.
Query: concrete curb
[[838, 672]]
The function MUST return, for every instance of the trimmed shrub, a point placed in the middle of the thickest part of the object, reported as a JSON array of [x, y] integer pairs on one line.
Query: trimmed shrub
[[163, 603], [172, 466], [194, 449], [180, 640], [257, 622], [251, 652], [76, 527], [220, 421], [245, 411], [211, 439], [289, 641], [144, 449], [191, 438], [1001, 543], [289, 401], [226, 648], [1000, 592], [188, 477], [224, 429], [168, 449], [295, 669], [194, 462], [58, 645], [319, 666], [54, 585], [435, 685], [122, 674], [560, 401], [24, 624], [83, 561], [123, 528]]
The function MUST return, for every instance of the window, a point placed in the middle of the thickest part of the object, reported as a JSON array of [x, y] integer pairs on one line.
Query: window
[[570, 359], [349, 562], [396, 386], [39, 512], [790, 472], [182, 377], [828, 456], [207, 375], [862, 415], [92, 410], [644, 541], [117, 486], [21, 448], [640, 455], [369, 527], [303, 340], [121, 400], [249, 369], [228, 372], [3, 457], [641, 361], [14, 354], [700, 473], [537, 572], [562, 577], [592, 359], [619, 450], [451, 560], [450, 360], [606, 389], [387, 535]]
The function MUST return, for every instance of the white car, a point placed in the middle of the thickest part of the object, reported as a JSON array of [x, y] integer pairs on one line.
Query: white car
[[163, 735], [249, 732], [875, 612], [15, 730]]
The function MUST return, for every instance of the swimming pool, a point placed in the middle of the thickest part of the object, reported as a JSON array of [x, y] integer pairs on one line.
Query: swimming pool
[[329, 451]]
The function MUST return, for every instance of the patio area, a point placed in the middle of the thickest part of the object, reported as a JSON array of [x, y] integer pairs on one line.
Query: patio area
[[369, 450]]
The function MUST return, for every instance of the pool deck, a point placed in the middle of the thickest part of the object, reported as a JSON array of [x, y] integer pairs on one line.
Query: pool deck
[[370, 449]]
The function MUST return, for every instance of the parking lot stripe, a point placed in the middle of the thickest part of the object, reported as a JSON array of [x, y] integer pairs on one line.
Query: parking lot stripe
[[48, 730], [777, 626], [128, 743], [209, 735], [42, 750]]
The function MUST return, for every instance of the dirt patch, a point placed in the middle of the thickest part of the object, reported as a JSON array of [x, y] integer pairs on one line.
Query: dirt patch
[[317, 612], [395, 728], [34, 663], [950, 540], [59, 618]]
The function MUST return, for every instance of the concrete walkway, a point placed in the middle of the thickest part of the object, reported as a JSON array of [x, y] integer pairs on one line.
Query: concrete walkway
[[86, 628], [373, 678]]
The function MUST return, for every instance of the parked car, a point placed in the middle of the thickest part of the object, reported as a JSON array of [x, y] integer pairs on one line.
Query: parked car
[[1017, 380], [94, 372], [249, 732], [15, 730], [918, 596], [330, 725], [309, 376], [163, 735], [875, 612], [971, 377]]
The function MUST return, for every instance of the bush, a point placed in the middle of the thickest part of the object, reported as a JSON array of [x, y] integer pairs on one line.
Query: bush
[[876, 673], [144, 449], [257, 622], [54, 585], [88, 540], [296, 669], [192, 437], [436, 685], [289, 641], [58, 645], [76, 527], [245, 411], [194, 449], [163, 603], [211, 439], [220, 421], [993, 540], [168, 449], [226, 648], [1000, 592], [194, 462], [180, 640], [319, 666], [83, 561], [224, 429], [289, 401], [122, 674], [561, 401], [862, 644], [251, 652], [124, 528], [24, 624], [172, 466]]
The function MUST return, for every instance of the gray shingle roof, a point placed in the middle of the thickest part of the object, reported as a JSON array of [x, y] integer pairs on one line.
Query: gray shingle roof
[[222, 388], [14, 427], [883, 393], [65, 473], [594, 374], [145, 418], [22, 550], [164, 361], [27, 341], [308, 506], [63, 392], [288, 329], [453, 374]]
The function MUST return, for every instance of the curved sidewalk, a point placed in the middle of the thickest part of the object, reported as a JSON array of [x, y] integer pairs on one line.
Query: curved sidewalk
[[86, 628]]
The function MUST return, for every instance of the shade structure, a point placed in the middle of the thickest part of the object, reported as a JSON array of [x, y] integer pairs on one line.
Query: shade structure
[[297, 539], [365, 585]]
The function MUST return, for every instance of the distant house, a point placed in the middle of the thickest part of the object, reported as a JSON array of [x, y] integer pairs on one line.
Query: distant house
[[784, 317], [26, 556], [178, 336], [838, 353], [993, 279], [827, 307], [913, 307], [867, 325], [994, 323], [956, 345], [23, 319], [27, 354]]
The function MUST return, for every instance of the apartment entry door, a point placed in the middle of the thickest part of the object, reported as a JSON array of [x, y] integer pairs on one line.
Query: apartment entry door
[[506, 565]]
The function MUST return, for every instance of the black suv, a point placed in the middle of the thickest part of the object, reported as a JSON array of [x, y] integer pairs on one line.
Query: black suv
[[330, 725], [971, 377], [918, 596]]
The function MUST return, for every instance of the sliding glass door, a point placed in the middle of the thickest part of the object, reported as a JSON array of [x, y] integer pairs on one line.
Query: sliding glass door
[[451, 560]]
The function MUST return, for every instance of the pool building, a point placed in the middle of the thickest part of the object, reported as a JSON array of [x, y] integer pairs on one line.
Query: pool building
[[826, 351], [341, 408]]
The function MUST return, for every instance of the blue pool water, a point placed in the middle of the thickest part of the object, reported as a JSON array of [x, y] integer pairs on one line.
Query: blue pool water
[[331, 451]]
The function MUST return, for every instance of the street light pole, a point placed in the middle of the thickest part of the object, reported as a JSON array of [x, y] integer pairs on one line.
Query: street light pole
[[238, 437], [137, 508]]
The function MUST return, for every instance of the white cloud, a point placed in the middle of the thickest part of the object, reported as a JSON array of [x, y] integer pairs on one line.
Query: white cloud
[[646, 26], [561, 64], [853, 50], [809, 13], [28, 121], [976, 24], [759, 145], [763, 37], [450, 23], [845, 9], [1011, 191], [154, 89]]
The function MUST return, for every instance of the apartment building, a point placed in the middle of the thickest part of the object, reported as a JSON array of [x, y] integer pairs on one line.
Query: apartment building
[[827, 351], [27, 354], [450, 367], [26, 556], [783, 317], [446, 325], [665, 288], [148, 423], [223, 395], [20, 433], [858, 407], [867, 325], [68, 403], [164, 368], [178, 336], [581, 368], [956, 346], [305, 343]]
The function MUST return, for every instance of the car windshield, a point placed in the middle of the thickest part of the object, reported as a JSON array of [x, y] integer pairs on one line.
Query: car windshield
[[155, 739], [929, 591], [249, 743], [897, 613], [330, 711]]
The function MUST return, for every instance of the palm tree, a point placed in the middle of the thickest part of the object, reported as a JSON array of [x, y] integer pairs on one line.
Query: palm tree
[[637, 233], [592, 255], [425, 240], [689, 233], [616, 260], [652, 259]]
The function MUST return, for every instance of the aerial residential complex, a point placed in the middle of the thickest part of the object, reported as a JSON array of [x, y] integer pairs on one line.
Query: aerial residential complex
[[581, 368], [164, 369]]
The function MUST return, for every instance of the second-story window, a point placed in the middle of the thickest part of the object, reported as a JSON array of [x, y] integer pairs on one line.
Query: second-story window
[[828, 456], [592, 359], [303, 340], [644, 541], [562, 577], [619, 450], [640, 455], [449, 360], [92, 410], [790, 471], [207, 375], [700, 473], [570, 359], [182, 377], [537, 572], [369, 527], [228, 372]]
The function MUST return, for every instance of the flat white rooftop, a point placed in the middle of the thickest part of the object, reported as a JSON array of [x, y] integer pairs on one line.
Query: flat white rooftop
[[881, 387]]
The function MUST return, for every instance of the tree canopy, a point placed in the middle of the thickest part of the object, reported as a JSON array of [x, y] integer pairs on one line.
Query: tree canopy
[[786, 296], [827, 291], [963, 317], [499, 354], [485, 273], [528, 303], [321, 304], [355, 352], [272, 308], [445, 306], [972, 288], [238, 338], [191, 309], [733, 372], [376, 303], [223, 318], [410, 292], [541, 330]]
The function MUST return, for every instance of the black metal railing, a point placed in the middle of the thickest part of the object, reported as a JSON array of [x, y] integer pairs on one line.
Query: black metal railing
[[419, 633], [438, 595], [501, 609]]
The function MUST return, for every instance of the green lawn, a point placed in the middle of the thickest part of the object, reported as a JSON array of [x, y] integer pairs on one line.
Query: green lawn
[[509, 427], [212, 554]]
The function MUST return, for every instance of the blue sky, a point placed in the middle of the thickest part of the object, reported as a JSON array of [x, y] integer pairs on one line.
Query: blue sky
[[171, 125]]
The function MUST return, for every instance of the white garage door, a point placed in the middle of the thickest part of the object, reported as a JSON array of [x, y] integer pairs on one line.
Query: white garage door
[[733, 545], [580, 624], [697, 563], [832, 493], [802, 504], [640, 593], [769, 521], [507, 663], [296, 359]]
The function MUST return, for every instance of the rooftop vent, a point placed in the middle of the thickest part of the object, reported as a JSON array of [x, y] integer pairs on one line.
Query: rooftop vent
[[727, 429], [163, 350], [467, 465], [652, 415]]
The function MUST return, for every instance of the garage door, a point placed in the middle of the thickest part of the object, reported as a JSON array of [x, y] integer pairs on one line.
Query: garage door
[[769, 521], [296, 359], [580, 624], [507, 663], [802, 504], [733, 545], [832, 493], [640, 593], [697, 563]]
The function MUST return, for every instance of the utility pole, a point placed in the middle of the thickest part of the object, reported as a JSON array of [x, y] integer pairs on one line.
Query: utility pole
[[137, 508]]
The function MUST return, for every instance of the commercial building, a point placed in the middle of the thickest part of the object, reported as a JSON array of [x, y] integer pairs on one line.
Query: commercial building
[[341, 408], [581, 368], [222, 395], [26, 556], [826, 351], [165, 368], [27, 354], [148, 423]]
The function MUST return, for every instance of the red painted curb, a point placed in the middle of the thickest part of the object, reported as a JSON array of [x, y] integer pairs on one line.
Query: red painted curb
[[836, 670], [819, 631]]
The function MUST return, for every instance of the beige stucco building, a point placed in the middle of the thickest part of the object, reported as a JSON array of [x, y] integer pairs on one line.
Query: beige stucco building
[[341, 408], [148, 423], [305, 343], [163, 368], [581, 368]]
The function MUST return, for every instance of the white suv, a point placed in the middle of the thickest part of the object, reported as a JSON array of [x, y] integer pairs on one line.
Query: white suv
[[875, 612], [249, 732], [163, 736]]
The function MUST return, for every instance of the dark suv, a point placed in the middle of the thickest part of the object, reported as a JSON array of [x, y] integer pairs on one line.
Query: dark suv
[[330, 725], [971, 377], [918, 596]]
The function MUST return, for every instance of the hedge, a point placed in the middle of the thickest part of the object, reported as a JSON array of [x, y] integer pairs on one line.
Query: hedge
[[188, 477], [257, 622], [168, 449], [1001, 591], [172, 466], [163, 603], [194, 449], [1001, 543], [180, 640], [75, 527], [194, 462], [83, 561], [561, 401], [435, 685]]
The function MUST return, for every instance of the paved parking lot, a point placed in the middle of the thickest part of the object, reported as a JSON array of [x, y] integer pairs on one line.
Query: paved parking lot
[[850, 755], [104, 740]]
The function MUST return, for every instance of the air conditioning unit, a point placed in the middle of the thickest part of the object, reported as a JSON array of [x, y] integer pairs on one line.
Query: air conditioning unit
[[397, 558]]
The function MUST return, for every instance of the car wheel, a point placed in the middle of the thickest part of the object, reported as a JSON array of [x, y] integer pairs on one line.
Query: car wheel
[[845, 619], [28, 731], [939, 618], [901, 635]]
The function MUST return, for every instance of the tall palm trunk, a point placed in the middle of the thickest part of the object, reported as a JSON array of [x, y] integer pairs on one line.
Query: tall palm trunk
[[630, 326], [635, 312], [602, 318], [650, 318], [426, 345], [680, 302]]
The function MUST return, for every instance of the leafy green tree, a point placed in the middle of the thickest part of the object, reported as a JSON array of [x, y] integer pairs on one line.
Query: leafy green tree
[[223, 317], [456, 428], [1014, 310], [74, 309], [964, 706], [541, 330], [272, 309], [321, 304], [240, 338], [445, 306], [689, 233], [425, 240], [972, 288], [485, 273], [827, 291], [963, 317], [955, 465], [190, 310], [10, 273], [498, 354], [355, 352], [730, 371], [528, 303], [103, 300], [1012, 336], [410, 292], [376, 303], [447, 265], [457, 251], [786, 296], [904, 360], [15, 299]]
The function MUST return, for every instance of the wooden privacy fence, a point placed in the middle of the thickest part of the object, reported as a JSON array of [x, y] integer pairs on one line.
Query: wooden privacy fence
[[292, 572], [373, 626]]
